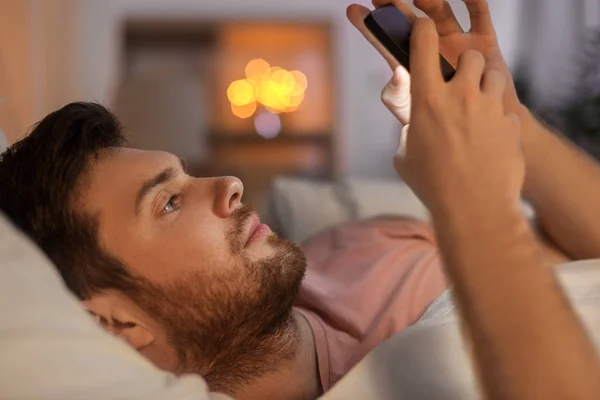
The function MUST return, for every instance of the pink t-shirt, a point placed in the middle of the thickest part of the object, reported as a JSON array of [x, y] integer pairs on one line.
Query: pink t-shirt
[[365, 282]]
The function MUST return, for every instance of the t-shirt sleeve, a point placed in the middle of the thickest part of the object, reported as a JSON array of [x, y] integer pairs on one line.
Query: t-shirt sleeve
[[366, 282]]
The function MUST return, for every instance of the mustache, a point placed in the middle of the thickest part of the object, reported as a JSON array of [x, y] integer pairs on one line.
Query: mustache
[[239, 219]]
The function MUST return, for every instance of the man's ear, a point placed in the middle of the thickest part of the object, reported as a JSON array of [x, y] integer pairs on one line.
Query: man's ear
[[120, 317]]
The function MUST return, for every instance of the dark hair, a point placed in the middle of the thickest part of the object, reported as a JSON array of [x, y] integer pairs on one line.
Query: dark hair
[[40, 179]]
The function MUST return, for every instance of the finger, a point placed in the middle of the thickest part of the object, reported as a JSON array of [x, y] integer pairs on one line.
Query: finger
[[400, 163], [471, 65], [441, 13], [401, 5], [396, 95], [426, 74], [493, 83], [481, 19], [401, 152], [356, 14]]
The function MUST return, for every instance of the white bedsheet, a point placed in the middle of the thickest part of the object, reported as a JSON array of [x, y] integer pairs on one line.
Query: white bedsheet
[[428, 360]]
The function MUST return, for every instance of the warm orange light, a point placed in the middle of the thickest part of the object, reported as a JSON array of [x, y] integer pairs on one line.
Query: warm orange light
[[241, 93], [301, 83], [245, 111], [275, 88], [294, 103], [257, 70], [284, 80]]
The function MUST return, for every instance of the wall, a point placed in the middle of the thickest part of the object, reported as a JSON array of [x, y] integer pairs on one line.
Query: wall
[[554, 40], [368, 133], [99, 24], [88, 67], [15, 67], [39, 60], [358, 108]]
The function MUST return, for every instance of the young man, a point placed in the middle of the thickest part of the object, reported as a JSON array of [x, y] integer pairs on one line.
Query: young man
[[186, 274]]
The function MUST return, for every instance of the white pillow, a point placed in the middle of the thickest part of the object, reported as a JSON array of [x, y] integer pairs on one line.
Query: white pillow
[[371, 198], [300, 208]]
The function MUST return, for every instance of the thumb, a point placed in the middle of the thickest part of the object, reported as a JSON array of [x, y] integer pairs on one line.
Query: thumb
[[399, 157], [401, 152], [396, 95]]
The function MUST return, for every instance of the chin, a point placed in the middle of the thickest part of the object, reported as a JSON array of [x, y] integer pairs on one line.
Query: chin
[[262, 252], [292, 261]]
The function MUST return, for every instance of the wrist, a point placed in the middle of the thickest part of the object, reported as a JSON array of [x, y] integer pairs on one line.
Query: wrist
[[475, 205], [474, 220], [490, 214], [480, 232]]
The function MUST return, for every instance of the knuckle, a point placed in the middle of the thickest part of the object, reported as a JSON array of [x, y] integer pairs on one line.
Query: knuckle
[[472, 57], [424, 24], [425, 5]]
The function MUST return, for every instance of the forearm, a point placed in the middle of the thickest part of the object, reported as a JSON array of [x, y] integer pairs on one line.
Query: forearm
[[563, 185], [514, 310]]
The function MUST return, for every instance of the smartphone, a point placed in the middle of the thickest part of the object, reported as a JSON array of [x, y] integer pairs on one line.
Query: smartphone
[[393, 30]]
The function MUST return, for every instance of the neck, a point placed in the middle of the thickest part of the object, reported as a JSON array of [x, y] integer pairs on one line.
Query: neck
[[296, 379]]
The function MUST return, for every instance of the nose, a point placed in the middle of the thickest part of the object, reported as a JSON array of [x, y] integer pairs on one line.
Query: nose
[[229, 191]]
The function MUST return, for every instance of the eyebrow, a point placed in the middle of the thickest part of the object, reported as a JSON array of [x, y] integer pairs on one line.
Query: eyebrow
[[162, 177]]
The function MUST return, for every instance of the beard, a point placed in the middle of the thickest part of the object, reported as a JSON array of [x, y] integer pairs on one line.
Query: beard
[[237, 325]]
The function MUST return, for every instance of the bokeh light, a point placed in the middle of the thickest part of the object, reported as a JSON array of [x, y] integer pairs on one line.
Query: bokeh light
[[301, 83], [276, 89], [267, 124], [257, 69], [244, 111], [241, 93]]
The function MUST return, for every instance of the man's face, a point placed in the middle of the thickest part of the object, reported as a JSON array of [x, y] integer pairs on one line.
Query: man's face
[[214, 277]]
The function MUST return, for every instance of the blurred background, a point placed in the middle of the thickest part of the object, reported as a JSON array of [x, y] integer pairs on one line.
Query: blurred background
[[267, 88]]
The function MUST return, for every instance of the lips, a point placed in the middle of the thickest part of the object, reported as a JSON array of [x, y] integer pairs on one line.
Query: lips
[[256, 230]]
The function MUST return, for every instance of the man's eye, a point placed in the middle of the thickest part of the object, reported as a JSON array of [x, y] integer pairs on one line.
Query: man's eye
[[172, 205]]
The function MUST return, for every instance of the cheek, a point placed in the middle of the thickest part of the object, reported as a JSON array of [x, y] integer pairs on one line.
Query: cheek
[[188, 245], [165, 251]]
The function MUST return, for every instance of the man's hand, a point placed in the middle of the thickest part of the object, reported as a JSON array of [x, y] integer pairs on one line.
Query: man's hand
[[462, 145], [453, 41]]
